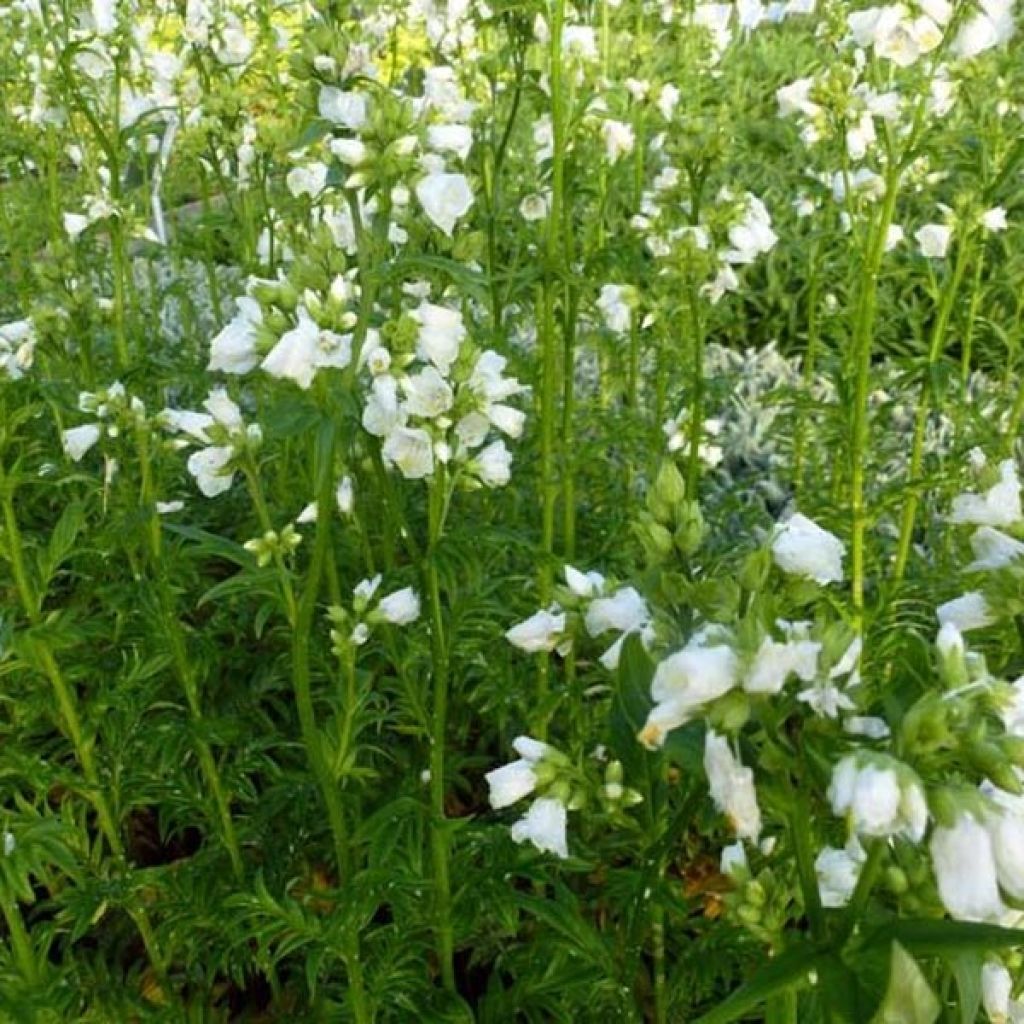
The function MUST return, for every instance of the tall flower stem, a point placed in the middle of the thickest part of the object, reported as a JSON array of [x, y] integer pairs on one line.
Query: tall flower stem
[[553, 272], [183, 667], [696, 392], [439, 833], [935, 348], [808, 367], [311, 739], [21, 945], [863, 329]]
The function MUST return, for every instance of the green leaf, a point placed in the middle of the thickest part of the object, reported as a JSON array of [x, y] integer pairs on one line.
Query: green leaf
[[966, 967], [787, 971], [909, 998], [925, 937]]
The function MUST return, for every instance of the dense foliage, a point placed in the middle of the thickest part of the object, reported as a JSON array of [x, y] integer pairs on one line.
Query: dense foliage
[[510, 511]]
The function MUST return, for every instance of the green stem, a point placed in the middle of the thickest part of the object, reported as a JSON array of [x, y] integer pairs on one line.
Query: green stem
[[935, 347], [863, 329], [809, 361], [439, 835], [696, 393], [311, 739]]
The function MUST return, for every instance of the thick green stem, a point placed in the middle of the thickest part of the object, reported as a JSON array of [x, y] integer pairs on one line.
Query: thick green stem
[[696, 393], [808, 367], [935, 347], [439, 835], [311, 739], [553, 273], [863, 328]]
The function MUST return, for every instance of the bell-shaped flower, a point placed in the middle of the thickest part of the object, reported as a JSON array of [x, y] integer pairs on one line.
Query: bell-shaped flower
[[542, 632], [399, 608], [999, 506], [427, 394], [233, 350], [802, 548], [493, 465], [969, 611], [544, 825], [965, 869], [732, 787], [411, 451], [775, 662], [683, 684], [445, 198], [993, 549], [625, 612], [838, 871], [78, 440], [518, 779], [879, 796], [382, 413], [440, 335]]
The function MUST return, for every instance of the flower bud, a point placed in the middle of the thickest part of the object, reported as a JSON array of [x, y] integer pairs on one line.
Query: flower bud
[[690, 533]]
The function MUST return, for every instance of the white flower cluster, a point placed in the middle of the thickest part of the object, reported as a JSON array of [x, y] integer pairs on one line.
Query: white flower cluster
[[996, 542], [221, 434], [353, 629], [743, 227], [438, 405], [601, 608], [115, 411], [537, 769], [17, 348]]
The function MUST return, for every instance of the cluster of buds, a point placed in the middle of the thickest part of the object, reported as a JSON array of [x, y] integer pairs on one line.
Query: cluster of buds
[[274, 546], [115, 410], [672, 523]]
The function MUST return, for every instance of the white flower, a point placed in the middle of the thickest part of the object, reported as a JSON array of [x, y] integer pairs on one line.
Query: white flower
[[233, 350], [579, 41], [427, 394], [513, 781], [494, 465], [17, 347], [1000, 505], [544, 826], [625, 611], [309, 180], [104, 16], [683, 683], [668, 100], [400, 608], [990, 27], [838, 871], [879, 797], [209, 466], [1006, 829], [615, 303], [583, 584], [535, 206], [351, 152], [445, 198], [969, 611], [732, 787], [345, 496], [993, 549], [450, 138], [348, 109], [774, 663], [734, 859], [542, 631], [965, 870], [795, 98], [78, 440], [295, 354], [75, 224], [382, 413], [933, 240], [994, 219], [618, 139], [440, 335], [411, 451], [802, 548]]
